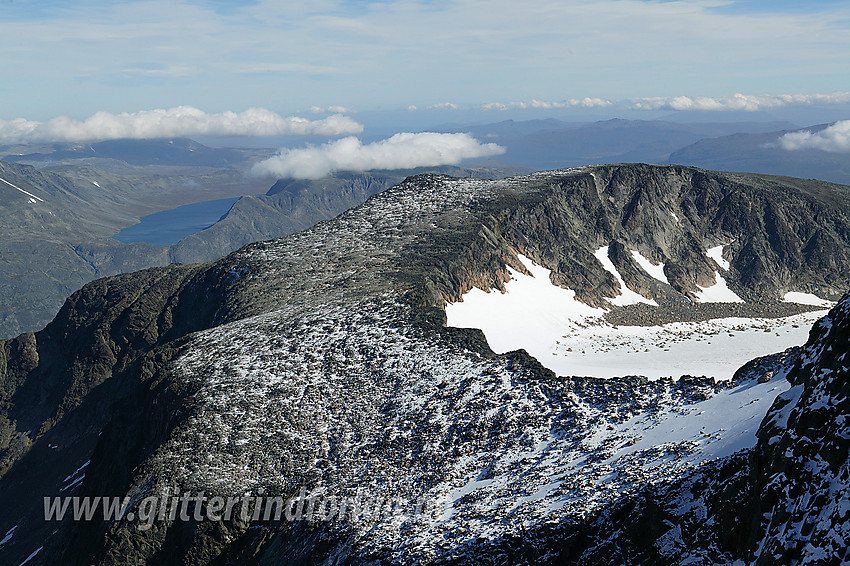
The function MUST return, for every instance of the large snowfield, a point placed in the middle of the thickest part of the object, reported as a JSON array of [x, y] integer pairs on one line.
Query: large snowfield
[[571, 338]]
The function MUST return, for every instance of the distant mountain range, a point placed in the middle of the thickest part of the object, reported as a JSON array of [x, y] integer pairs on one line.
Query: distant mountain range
[[550, 144], [760, 153], [735, 146], [180, 152]]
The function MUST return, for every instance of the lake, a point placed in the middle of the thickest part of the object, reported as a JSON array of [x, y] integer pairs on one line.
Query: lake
[[170, 226]]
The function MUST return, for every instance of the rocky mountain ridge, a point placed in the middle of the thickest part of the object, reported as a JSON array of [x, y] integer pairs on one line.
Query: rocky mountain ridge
[[322, 360]]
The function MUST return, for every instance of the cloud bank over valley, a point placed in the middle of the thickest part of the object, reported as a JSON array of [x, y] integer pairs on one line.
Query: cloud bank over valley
[[401, 151]]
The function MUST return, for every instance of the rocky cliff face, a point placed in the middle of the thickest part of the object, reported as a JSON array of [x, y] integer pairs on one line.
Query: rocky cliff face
[[801, 470], [322, 361]]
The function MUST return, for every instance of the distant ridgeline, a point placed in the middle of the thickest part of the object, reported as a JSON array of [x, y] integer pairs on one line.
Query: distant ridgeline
[[62, 237]]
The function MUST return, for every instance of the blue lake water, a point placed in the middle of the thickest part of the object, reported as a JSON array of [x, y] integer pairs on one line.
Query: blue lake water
[[170, 226]]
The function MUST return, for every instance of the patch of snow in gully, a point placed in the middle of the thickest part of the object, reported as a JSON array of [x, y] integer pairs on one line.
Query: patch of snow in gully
[[716, 253], [32, 196], [720, 291], [654, 271], [571, 338], [626, 296]]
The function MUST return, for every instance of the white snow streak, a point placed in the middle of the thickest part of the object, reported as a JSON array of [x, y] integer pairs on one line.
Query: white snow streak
[[31, 556], [806, 299], [9, 534], [716, 253], [627, 296], [20, 189], [654, 271]]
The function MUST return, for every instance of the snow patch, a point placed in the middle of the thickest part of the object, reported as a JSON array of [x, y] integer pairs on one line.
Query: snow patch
[[531, 314], [627, 296], [806, 299], [720, 291], [455, 496], [75, 478], [717, 293], [20, 189], [9, 534], [31, 556], [715, 347], [654, 271], [570, 338], [720, 426], [716, 253], [78, 470]]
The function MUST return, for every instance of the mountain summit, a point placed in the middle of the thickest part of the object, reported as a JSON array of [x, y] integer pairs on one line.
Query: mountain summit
[[320, 366]]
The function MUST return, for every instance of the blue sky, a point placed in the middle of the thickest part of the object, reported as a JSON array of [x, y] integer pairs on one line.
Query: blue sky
[[73, 59]]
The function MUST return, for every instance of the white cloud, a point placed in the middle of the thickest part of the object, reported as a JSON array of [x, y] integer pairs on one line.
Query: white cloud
[[835, 138], [172, 122], [401, 151], [585, 102], [739, 102], [748, 103], [444, 106], [333, 109]]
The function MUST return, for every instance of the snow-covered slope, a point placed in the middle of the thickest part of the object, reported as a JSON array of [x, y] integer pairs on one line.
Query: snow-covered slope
[[571, 338]]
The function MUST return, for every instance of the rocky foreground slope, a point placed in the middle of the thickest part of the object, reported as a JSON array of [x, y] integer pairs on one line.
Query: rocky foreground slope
[[322, 361]]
